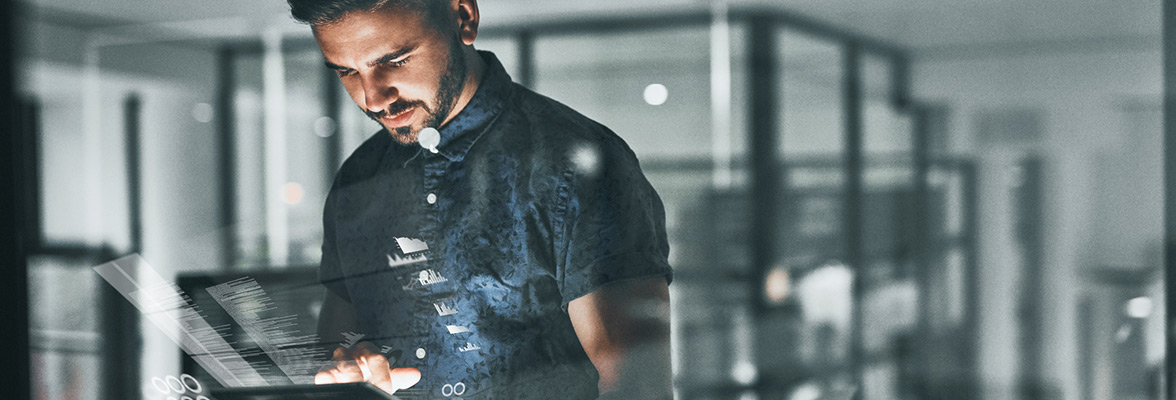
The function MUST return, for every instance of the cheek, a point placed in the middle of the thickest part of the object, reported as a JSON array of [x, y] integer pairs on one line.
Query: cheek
[[419, 84]]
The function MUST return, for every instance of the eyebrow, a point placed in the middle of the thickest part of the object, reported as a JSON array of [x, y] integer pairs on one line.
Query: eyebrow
[[383, 59]]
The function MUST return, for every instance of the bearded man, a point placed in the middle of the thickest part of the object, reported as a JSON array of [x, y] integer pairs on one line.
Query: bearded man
[[489, 242]]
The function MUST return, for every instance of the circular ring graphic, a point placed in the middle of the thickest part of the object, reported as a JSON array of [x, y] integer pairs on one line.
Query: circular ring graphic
[[194, 387], [447, 390], [185, 398], [178, 387], [459, 388], [160, 385], [202, 398]]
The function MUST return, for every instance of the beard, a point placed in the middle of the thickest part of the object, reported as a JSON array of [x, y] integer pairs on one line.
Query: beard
[[450, 85]]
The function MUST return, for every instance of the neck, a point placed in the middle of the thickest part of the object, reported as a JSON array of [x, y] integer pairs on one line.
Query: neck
[[476, 68]]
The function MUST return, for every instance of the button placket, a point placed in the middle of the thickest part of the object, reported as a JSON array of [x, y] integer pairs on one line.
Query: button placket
[[433, 171]]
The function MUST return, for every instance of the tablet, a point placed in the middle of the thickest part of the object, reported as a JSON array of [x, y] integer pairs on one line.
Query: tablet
[[338, 391]]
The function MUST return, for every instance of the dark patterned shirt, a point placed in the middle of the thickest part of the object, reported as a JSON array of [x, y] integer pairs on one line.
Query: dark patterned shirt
[[462, 262]]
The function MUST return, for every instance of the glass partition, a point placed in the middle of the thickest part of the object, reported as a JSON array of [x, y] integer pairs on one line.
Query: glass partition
[[653, 87], [306, 163], [889, 290], [876, 283], [65, 336], [650, 86], [810, 324]]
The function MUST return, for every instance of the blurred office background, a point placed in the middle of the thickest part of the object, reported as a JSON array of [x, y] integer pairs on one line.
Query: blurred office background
[[894, 199]]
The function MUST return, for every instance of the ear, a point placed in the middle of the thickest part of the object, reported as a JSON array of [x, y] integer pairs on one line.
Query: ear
[[468, 18]]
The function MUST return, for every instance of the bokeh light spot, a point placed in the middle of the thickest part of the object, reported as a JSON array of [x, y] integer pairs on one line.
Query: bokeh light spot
[[656, 94], [1139, 307], [777, 285], [324, 127], [293, 193], [202, 112]]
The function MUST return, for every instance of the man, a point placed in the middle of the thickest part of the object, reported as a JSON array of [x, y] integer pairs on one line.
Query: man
[[489, 242]]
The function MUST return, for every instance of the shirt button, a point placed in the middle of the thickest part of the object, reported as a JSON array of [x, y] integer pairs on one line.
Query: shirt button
[[420, 353], [431, 198]]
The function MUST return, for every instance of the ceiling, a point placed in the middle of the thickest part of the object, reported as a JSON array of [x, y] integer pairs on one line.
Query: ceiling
[[921, 25]]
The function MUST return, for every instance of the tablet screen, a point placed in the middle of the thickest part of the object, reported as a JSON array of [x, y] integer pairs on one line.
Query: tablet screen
[[342, 391]]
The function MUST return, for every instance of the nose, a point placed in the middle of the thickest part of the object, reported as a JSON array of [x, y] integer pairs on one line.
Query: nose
[[378, 92]]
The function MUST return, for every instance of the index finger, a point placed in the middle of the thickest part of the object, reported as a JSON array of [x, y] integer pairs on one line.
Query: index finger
[[379, 371]]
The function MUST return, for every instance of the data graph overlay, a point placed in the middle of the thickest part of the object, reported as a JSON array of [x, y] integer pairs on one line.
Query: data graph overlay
[[275, 330], [173, 311]]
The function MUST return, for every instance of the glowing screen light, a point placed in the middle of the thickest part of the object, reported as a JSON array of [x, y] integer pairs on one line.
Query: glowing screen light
[[656, 94]]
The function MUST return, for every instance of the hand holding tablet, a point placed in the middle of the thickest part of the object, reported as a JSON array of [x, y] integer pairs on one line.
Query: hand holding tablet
[[363, 363]]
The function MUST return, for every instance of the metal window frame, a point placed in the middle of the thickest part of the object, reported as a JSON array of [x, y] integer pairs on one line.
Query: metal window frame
[[13, 260]]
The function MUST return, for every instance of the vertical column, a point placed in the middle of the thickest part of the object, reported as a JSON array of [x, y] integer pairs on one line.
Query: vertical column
[[972, 279], [1169, 23], [765, 167], [526, 42], [720, 88], [14, 287], [900, 82], [29, 170], [1029, 198], [274, 85], [132, 108], [227, 156], [333, 110], [854, 245], [121, 343], [924, 248]]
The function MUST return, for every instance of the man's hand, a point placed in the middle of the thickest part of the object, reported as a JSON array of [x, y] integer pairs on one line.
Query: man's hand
[[362, 362]]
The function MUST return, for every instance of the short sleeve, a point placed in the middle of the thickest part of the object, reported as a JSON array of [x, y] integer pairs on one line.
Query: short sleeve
[[330, 272], [613, 222]]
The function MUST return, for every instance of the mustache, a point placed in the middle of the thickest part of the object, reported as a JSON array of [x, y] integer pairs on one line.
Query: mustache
[[393, 109]]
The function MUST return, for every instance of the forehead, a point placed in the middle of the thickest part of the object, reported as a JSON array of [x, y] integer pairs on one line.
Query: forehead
[[384, 27]]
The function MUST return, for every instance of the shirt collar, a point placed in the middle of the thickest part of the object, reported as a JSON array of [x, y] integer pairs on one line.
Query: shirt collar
[[459, 135]]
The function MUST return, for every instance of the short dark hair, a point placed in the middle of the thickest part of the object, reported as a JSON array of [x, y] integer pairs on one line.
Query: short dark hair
[[322, 12]]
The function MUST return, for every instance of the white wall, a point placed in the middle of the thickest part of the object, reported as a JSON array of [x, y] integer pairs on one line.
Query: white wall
[[1103, 195]]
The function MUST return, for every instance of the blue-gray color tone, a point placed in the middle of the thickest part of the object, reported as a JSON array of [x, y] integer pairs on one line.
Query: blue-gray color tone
[[526, 206]]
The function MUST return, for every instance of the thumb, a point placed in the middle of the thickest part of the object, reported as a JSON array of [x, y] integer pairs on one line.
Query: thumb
[[404, 378]]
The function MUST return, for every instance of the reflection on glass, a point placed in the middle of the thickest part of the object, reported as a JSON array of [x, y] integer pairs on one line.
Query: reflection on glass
[[813, 118], [307, 165], [652, 88], [63, 329], [813, 328], [604, 76], [249, 143], [309, 169]]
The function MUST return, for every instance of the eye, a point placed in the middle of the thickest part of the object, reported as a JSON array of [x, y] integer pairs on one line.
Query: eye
[[397, 64], [344, 72]]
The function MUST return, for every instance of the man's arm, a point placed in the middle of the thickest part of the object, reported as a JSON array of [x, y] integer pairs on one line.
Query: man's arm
[[624, 327]]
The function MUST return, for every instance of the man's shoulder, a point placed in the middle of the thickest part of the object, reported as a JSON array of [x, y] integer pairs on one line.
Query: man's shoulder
[[559, 126]]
